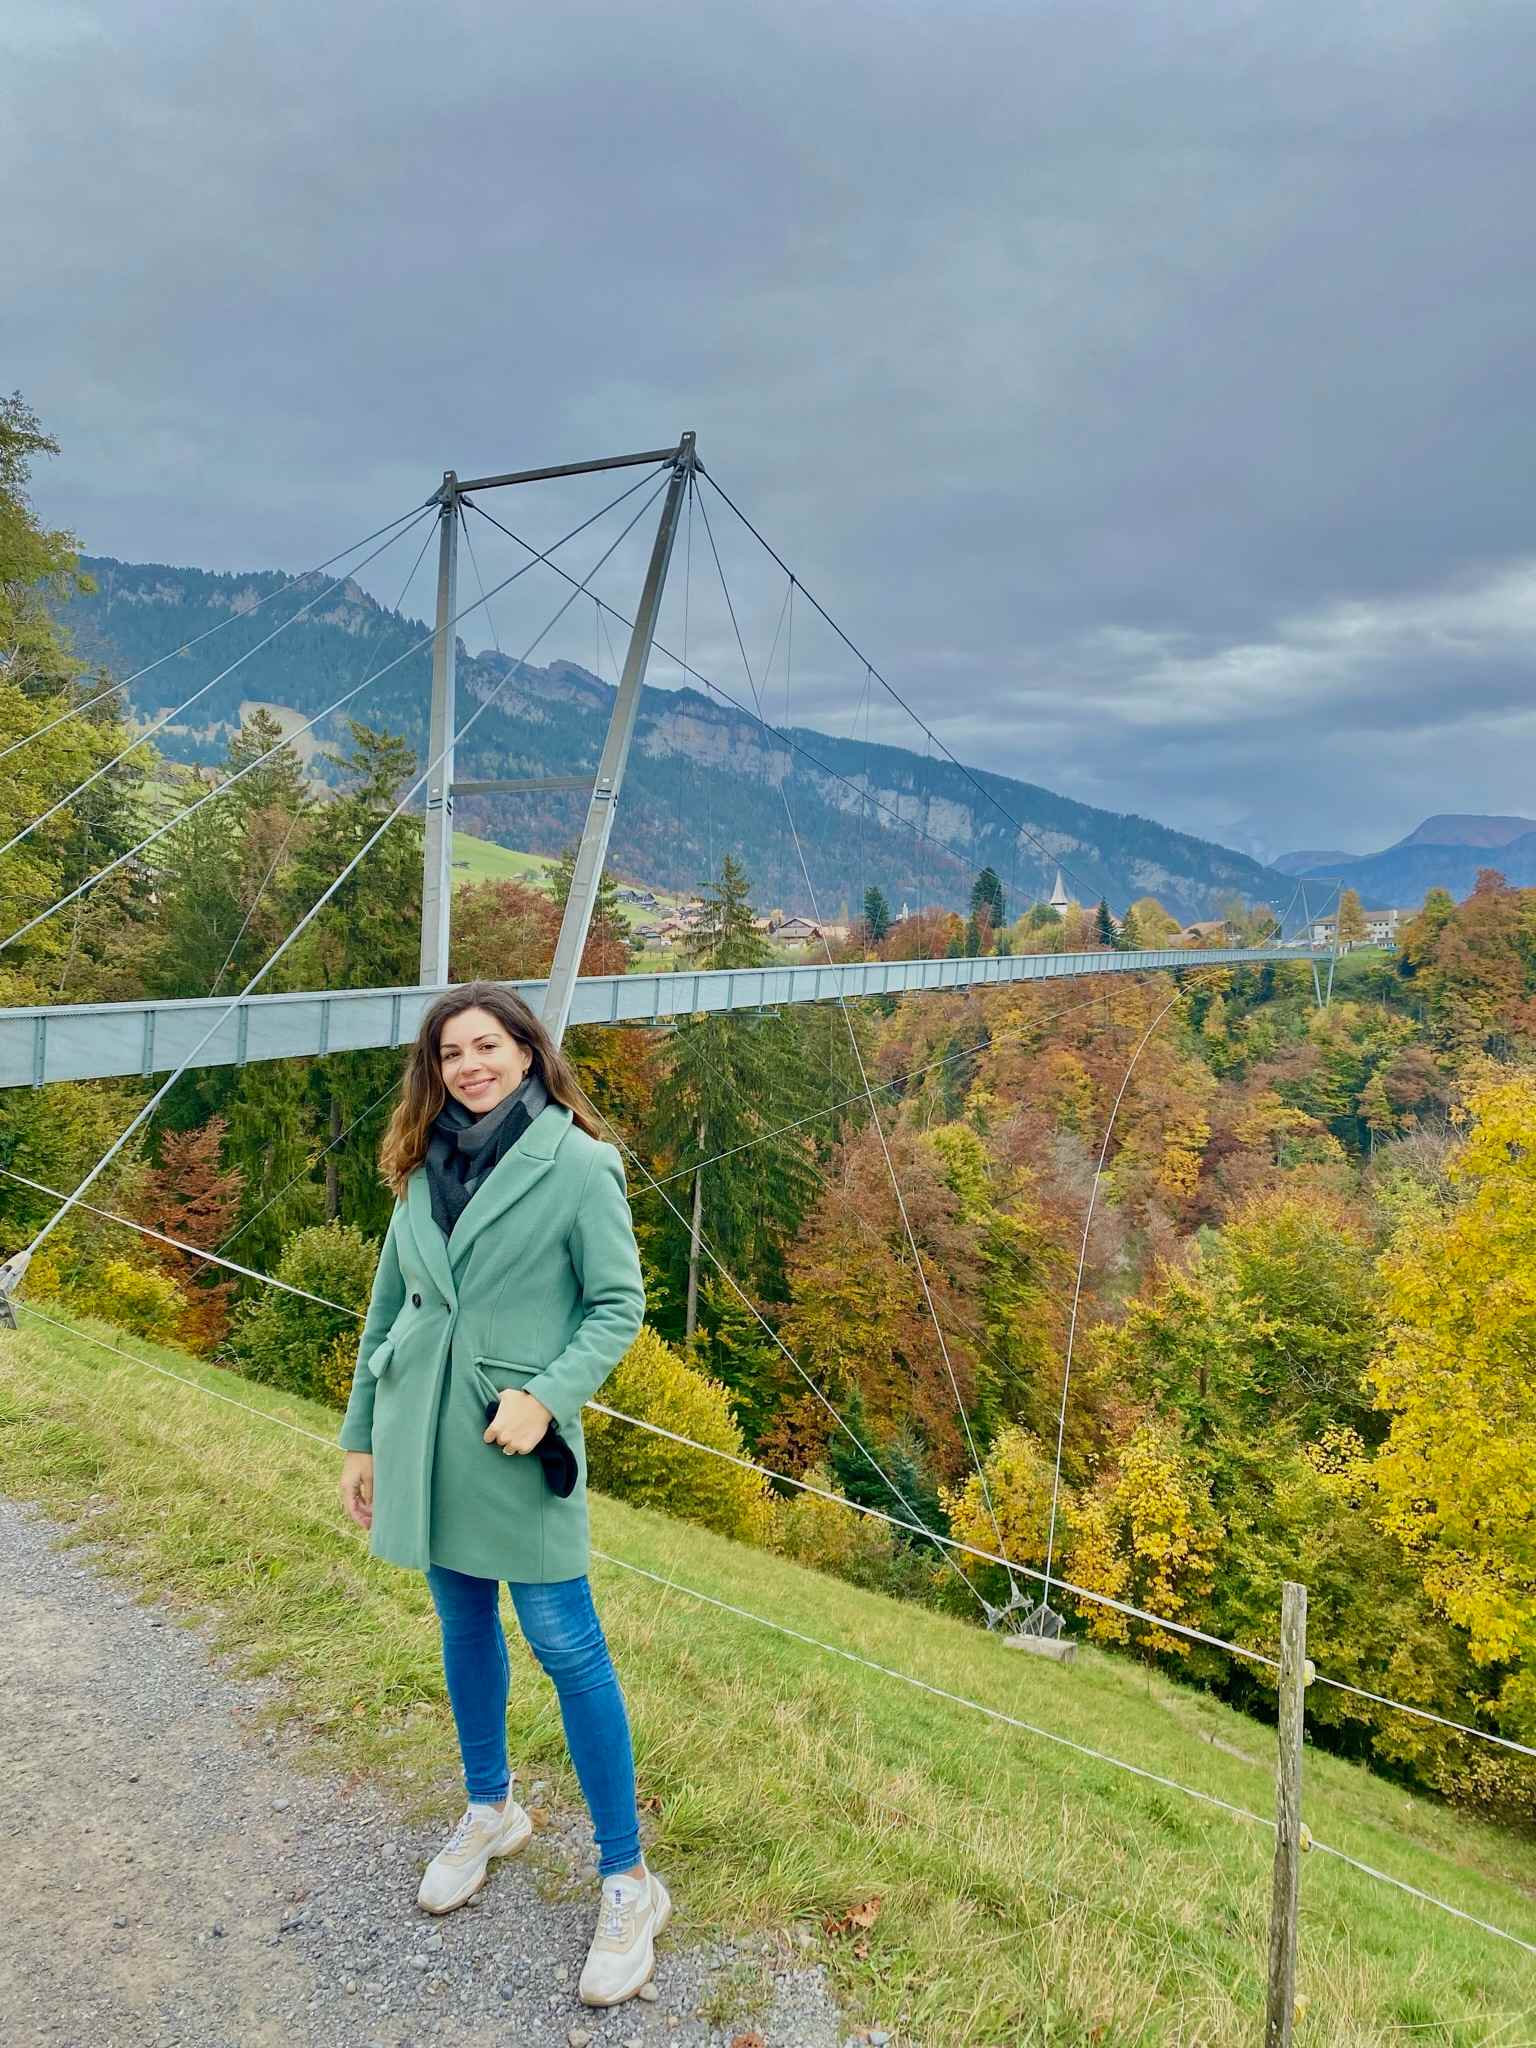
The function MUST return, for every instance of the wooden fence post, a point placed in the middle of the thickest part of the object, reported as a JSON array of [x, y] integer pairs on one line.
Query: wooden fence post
[[1289, 1833]]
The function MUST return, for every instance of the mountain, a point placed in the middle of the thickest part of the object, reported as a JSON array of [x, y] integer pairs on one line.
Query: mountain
[[1467, 831], [1306, 863], [703, 777], [1445, 852]]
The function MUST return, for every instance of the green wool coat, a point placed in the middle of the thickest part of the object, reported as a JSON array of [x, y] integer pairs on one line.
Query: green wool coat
[[539, 1287]]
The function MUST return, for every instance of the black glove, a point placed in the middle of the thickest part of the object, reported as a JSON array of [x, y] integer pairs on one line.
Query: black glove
[[554, 1455]]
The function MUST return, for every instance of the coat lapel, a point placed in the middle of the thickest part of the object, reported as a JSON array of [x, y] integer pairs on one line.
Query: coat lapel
[[429, 1239], [524, 1166]]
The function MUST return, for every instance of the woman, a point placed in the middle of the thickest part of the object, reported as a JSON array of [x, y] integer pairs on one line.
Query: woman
[[508, 1289]]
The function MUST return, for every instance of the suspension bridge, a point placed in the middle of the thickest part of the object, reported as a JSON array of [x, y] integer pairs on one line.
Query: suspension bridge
[[71, 1042], [163, 1040]]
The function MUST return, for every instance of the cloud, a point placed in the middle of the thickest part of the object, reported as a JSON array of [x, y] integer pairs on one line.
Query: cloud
[[1149, 390]]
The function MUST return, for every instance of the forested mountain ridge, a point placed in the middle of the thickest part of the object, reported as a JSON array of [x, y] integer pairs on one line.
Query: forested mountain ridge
[[703, 778]]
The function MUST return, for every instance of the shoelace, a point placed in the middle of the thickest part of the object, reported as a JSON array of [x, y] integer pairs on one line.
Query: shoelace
[[614, 1925], [462, 1829]]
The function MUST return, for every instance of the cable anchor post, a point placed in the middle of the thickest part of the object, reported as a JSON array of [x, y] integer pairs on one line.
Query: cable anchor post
[[11, 1275], [1040, 1629]]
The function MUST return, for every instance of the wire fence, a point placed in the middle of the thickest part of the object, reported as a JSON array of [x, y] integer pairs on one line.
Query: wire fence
[[1047, 1581], [1087, 1751]]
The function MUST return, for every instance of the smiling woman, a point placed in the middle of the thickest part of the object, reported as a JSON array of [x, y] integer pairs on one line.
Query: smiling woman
[[508, 1289]]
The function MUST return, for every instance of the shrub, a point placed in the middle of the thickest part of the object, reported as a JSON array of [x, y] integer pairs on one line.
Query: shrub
[[292, 1343], [136, 1298], [829, 1538], [653, 1383]]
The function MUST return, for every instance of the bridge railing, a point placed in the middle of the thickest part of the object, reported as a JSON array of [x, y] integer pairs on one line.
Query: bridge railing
[[98, 1041]]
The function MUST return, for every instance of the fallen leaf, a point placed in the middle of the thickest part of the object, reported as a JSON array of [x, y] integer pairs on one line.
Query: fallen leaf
[[748, 2041], [863, 1917], [539, 1816], [651, 1805]]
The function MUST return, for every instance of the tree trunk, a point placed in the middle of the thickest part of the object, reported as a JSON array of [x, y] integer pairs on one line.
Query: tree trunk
[[333, 1167], [692, 1321]]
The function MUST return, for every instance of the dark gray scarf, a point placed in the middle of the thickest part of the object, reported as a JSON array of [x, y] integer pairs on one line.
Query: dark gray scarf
[[463, 1150]]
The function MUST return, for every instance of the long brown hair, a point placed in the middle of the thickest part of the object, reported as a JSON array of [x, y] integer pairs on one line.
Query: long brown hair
[[422, 1093]]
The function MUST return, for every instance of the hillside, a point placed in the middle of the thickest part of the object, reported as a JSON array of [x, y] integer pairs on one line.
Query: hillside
[[1011, 1888], [703, 778]]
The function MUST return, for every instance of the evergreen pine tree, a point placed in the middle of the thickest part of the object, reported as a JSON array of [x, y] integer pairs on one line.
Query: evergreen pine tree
[[987, 896], [901, 1458], [199, 904], [272, 1140], [729, 1078], [277, 784], [877, 914], [1105, 924]]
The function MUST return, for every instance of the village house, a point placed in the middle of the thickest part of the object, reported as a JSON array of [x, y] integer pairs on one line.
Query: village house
[[803, 931], [1381, 928]]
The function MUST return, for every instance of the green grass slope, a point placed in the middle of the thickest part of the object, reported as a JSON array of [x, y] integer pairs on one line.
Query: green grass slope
[[1027, 1893]]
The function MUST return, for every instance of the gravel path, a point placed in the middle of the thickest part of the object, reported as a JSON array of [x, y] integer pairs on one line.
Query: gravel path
[[169, 1878]]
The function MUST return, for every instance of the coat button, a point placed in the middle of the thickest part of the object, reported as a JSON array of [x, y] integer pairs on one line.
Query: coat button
[[415, 1301]]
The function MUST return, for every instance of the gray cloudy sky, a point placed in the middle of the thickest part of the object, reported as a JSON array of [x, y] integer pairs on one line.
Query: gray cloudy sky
[[1148, 386]]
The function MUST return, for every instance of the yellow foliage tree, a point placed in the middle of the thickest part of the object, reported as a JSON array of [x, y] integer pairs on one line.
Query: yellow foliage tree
[[1146, 1535], [1352, 926], [652, 1383], [1018, 1476], [1454, 1478]]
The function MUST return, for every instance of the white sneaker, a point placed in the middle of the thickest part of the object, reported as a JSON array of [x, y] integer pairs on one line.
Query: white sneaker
[[457, 1871], [623, 1953]]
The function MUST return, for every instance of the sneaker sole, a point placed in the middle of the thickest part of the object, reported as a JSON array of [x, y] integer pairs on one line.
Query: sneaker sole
[[663, 1915], [509, 1846]]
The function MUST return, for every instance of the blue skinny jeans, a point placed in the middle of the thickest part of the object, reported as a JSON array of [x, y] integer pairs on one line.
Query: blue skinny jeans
[[560, 1625]]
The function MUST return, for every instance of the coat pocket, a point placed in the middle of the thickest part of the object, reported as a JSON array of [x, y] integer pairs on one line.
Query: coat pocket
[[494, 1375], [381, 1357]]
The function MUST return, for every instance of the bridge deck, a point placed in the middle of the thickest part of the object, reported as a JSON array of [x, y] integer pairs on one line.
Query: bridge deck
[[94, 1041]]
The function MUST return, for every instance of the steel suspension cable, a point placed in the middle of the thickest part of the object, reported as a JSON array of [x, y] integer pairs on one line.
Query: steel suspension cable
[[1082, 1262], [776, 1340], [16, 1266], [329, 711], [881, 1087], [799, 1485], [890, 689], [289, 583], [853, 1041], [863, 794], [1019, 827], [888, 1671], [169, 717], [1082, 1593]]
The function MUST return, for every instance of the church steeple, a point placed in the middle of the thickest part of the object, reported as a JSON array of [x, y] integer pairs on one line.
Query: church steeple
[[1060, 900]]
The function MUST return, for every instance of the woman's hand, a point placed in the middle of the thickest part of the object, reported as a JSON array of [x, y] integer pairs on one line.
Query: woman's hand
[[357, 1487], [519, 1423]]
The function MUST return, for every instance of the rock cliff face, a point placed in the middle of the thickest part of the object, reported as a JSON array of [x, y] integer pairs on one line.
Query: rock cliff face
[[704, 778]]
